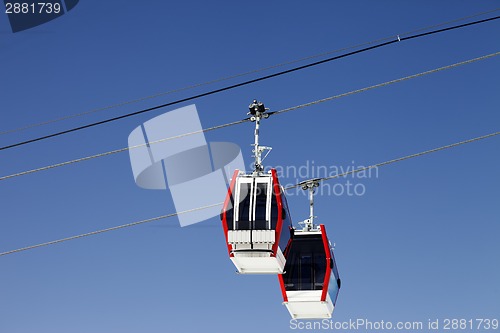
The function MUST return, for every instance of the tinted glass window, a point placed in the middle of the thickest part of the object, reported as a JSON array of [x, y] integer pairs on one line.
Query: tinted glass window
[[305, 266], [319, 270], [229, 216], [230, 211], [260, 206], [334, 285], [274, 211], [244, 207], [287, 224]]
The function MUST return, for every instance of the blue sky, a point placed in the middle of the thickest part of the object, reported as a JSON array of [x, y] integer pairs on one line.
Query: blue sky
[[420, 243]]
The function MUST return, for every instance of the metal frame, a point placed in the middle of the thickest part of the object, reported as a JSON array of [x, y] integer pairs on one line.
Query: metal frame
[[258, 112], [311, 186]]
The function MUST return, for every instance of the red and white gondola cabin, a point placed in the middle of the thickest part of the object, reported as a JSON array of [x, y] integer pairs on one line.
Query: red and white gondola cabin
[[256, 223], [311, 282]]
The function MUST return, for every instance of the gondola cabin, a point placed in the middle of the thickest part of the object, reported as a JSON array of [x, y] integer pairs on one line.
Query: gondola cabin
[[311, 281], [256, 220]]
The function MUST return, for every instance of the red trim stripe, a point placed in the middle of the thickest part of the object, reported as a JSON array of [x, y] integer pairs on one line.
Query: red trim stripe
[[224, 209], [279, 203], [326, 246], [280, 276], [283, 289]]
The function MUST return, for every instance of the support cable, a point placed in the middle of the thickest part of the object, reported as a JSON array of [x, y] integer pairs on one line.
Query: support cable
[[301, 106], [31, 247], [395, 40]]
